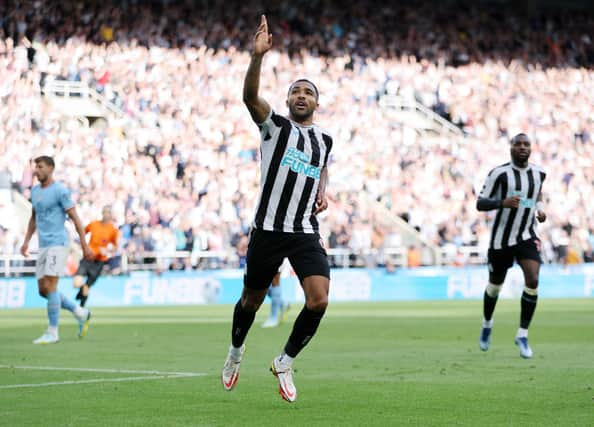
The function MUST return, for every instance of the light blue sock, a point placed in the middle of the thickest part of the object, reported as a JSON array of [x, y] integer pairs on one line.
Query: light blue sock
[[53, 308], [276, 300], [67, 304]]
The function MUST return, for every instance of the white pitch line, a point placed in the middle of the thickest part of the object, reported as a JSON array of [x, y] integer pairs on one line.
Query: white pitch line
[[153, 375], [102, 370], [96, 380]]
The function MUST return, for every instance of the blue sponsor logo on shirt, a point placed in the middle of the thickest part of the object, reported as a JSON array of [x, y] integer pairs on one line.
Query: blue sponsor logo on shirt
[[524, 201], [299, 162]]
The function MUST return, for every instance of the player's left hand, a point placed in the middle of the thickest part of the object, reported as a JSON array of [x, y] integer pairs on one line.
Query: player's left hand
[[25, 250], [262, 39], [541, 216], [321, 204], [88, 253]]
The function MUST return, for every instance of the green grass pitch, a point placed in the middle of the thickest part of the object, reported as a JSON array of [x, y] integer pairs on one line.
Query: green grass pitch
[[371, 364]]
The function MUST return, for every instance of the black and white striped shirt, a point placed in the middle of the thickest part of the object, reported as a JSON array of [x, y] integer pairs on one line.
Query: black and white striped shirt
[[514, 225], [293, 156]]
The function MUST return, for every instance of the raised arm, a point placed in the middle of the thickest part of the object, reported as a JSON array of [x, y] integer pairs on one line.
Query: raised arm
[[258, 107]]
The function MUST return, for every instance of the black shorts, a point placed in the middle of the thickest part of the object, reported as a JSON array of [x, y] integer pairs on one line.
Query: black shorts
[[266, 252], [114, 262], [91, 269], [500, 260]]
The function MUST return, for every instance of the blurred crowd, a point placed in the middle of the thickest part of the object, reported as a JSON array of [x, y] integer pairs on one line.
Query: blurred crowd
[[181, 172]]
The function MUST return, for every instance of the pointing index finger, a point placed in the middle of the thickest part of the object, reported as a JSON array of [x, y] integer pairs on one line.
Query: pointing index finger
[[264, 23]]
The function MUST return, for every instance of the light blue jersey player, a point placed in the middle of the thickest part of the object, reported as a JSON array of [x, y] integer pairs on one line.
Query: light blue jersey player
[[51, 203]]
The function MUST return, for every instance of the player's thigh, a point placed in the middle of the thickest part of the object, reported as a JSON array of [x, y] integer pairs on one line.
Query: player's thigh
[[316, 289], [51, 262], [41, 286], [40, 266], [94, 271], [78, 281], [529, 249], [114, 263], [51, 283], [81, 273], [83, 268], [55, 261], [500, 260], [252, 299], [264, 257], [529, 259], [309, 258], [47, 284], [531, 269]]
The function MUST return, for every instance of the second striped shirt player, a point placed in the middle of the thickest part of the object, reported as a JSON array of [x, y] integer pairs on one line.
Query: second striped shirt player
[[514, 190]]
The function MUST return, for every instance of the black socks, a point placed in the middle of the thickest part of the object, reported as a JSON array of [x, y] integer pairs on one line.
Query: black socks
[[304, 329], [242, 322]]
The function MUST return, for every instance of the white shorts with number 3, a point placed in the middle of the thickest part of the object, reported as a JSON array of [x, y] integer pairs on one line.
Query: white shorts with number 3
[[51, 261]]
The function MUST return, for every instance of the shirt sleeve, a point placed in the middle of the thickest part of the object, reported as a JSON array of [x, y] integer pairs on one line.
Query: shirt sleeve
[[271, 126], [328, 142], [65, 198], [491, 187]]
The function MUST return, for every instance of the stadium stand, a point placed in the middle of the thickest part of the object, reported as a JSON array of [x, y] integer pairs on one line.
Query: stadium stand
[[140, 105]]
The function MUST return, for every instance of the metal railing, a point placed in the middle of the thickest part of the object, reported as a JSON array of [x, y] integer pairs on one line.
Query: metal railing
[[406, 104], [349, 258], [68, 89], [16, 265]]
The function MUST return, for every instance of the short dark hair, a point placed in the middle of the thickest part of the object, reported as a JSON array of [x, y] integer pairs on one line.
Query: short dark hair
[[45, 159], [520, 135], [308, 81]]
